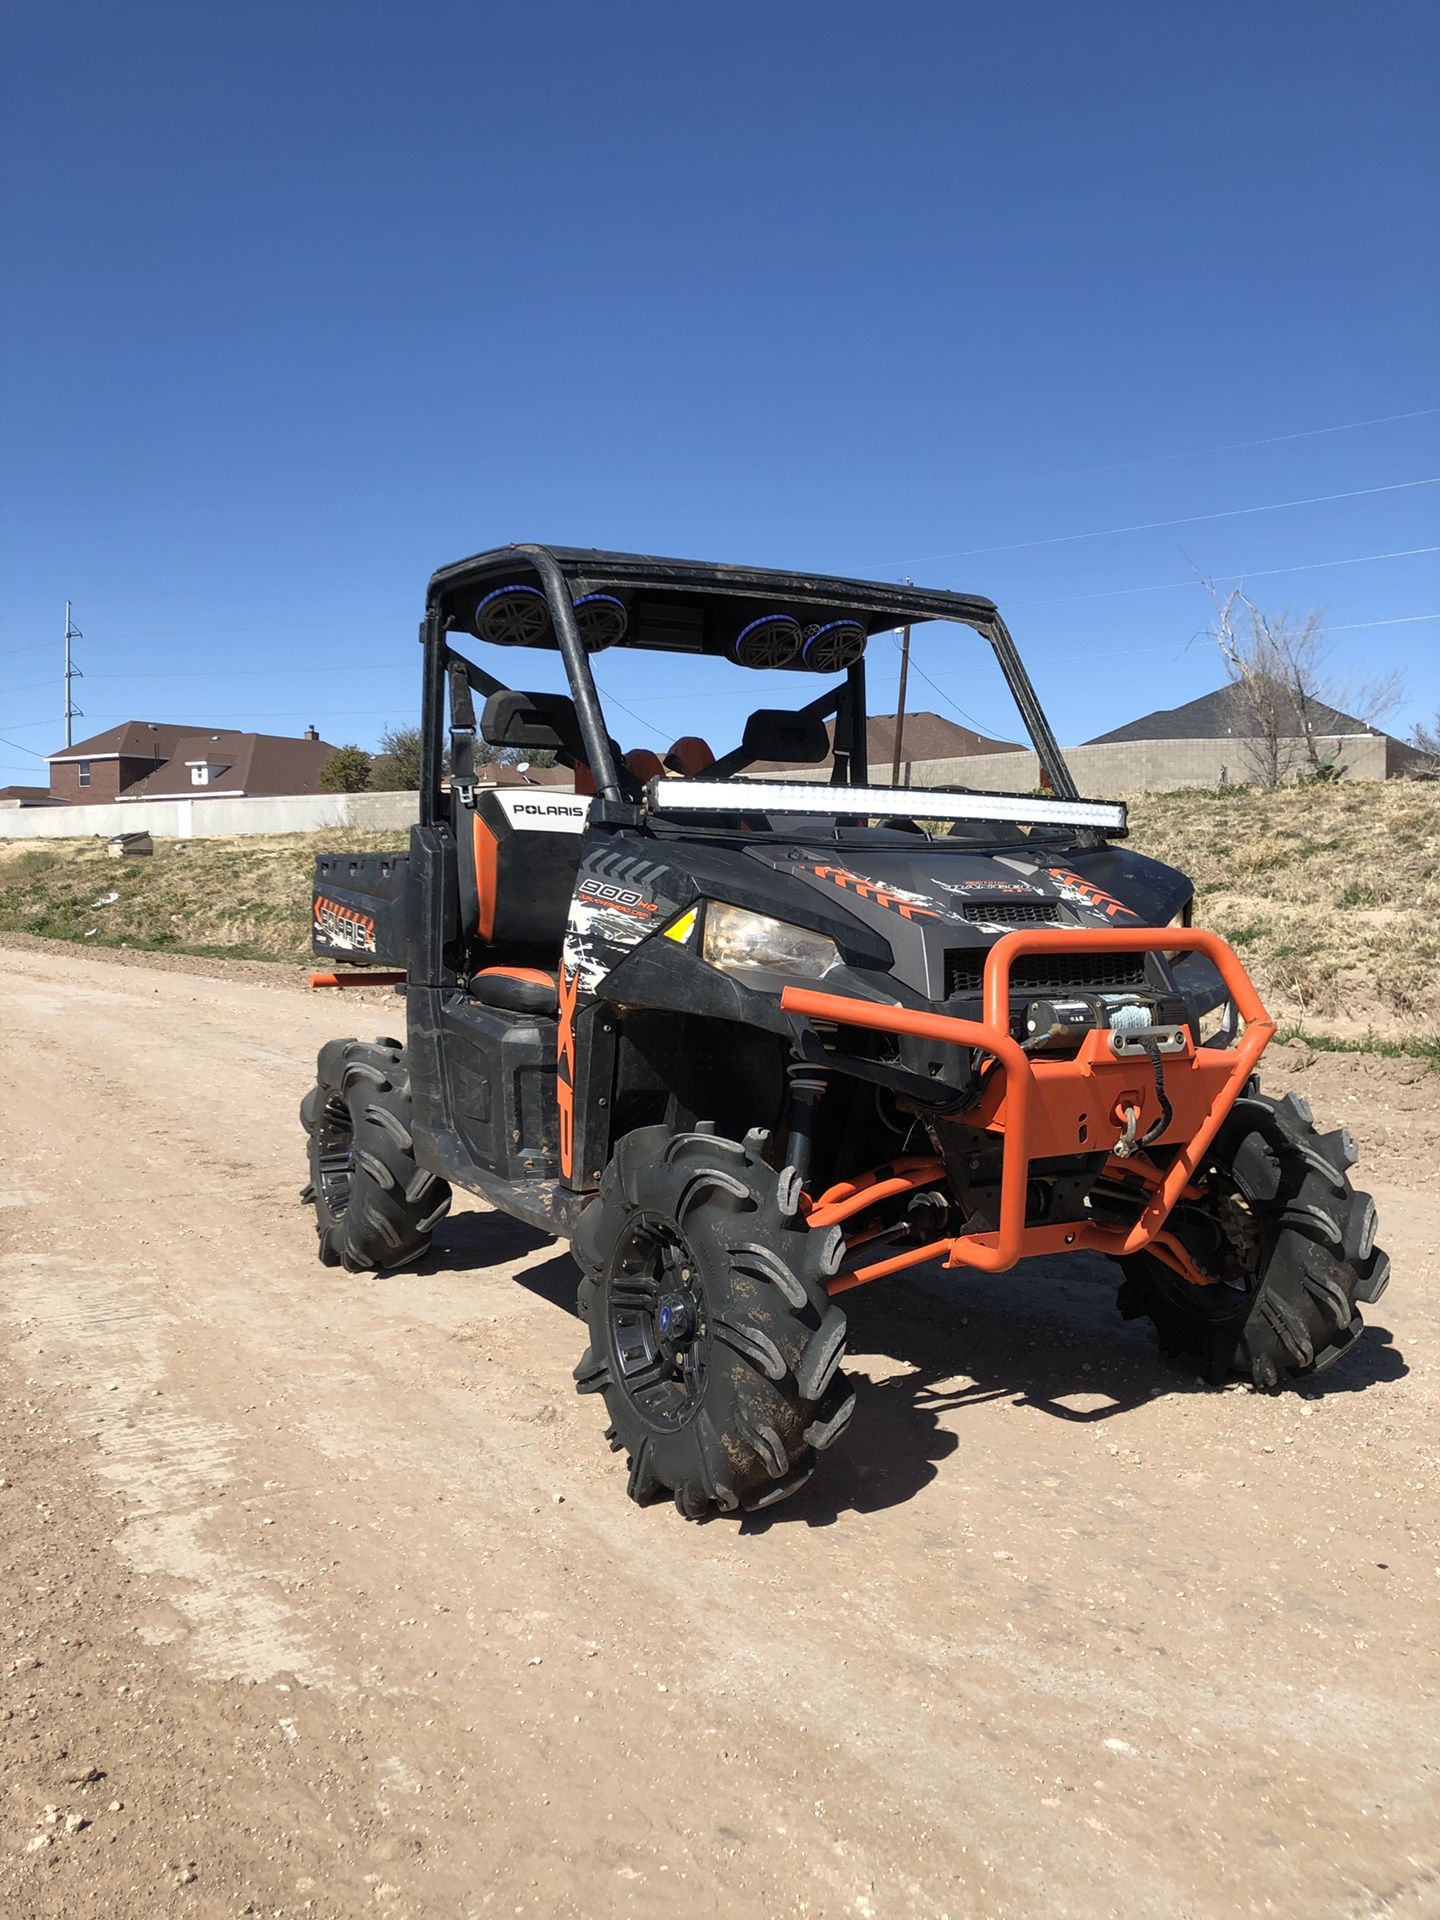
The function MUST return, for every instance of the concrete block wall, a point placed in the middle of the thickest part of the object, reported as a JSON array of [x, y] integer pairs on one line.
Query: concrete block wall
[[1137, 766], [1131, 767], [212, 819]]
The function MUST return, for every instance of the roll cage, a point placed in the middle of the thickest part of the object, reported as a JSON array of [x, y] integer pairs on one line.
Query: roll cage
[[566, 575]]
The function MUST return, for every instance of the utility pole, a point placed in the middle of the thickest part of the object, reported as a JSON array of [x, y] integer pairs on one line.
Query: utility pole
[[900, 701], [72, 673]]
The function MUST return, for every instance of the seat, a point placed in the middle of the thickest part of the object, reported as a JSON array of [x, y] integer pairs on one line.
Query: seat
[[517, 989], [644, 764], [689, 756], [519, 855]]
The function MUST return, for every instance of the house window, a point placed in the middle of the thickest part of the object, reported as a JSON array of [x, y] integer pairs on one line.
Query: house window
[[199, 776], [84, 773]]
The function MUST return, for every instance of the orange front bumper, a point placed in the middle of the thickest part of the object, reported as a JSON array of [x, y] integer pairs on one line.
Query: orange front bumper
[[1045, 1107]]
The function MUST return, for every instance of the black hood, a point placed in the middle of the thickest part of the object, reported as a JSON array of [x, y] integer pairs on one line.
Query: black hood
[[933, 903]]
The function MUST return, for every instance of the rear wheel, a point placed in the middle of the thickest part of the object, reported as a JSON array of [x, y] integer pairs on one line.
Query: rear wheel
[[375, 1208], [712, 1339], [1289, 1241]]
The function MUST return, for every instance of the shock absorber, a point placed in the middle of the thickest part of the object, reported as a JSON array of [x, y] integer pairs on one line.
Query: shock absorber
[[807, 1086]]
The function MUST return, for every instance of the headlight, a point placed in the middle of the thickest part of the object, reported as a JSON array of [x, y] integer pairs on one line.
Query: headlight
[[741, 943]]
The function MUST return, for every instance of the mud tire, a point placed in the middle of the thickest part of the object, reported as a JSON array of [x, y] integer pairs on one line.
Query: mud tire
[[738, 1427], [375, 1207], [1314, 1258]]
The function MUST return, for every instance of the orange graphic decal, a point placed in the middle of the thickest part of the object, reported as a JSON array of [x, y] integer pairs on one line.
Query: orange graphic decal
[[565, 1069], [872, 890], [1092, 895]]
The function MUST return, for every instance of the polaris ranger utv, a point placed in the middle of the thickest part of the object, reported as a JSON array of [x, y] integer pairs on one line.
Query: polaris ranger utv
[[751, 1029]]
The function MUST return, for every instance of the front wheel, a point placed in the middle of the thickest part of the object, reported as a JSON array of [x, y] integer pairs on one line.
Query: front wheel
[[1288, 1244], [712, 1338], [375, 1207]]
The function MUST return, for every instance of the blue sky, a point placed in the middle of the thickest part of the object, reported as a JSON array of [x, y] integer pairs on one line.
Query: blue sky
[[302, 301]]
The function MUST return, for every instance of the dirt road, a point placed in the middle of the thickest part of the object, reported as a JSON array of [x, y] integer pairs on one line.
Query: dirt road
[[322, 1595]]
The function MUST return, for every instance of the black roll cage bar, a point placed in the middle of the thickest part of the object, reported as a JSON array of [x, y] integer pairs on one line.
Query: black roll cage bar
[[566, 572]]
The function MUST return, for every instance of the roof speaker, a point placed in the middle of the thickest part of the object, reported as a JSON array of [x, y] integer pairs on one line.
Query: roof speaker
[[513, 617], [602, 621], [834, 647], [771, 641]]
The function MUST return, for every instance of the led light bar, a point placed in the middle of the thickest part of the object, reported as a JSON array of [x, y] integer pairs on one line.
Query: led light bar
[[785, 796]]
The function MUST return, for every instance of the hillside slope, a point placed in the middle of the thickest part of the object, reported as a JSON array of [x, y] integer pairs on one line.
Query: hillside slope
[[247, 898], [1331, 895]]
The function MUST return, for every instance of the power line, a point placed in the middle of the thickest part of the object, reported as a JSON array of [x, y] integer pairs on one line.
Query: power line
[[1184, 520], [639, 719], [246, 673], [981, 726], [1056, 600], [216, 633], [287, 713], [1233, 446], [1098, 650], [289, 626], [1252, 573], [1401, 620]]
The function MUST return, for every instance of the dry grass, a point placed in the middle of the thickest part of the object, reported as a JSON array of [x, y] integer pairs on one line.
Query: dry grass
[[1331, 895], [246, 898]]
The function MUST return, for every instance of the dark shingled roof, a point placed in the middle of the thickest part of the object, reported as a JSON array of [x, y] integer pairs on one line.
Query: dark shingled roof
[[1219, 716], [134, 739], [926, 736], [253, 763]]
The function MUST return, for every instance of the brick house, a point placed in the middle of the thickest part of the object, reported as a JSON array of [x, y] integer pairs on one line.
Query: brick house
[[158, 760]]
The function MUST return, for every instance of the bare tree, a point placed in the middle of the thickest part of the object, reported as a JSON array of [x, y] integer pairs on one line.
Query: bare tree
[[1286, 696], [1426, 739]]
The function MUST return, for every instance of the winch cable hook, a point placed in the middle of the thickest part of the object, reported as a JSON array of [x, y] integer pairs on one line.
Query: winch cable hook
[[1167, 1112]]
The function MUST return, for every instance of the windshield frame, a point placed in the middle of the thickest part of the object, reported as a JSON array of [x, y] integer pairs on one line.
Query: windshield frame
[[564, 574]]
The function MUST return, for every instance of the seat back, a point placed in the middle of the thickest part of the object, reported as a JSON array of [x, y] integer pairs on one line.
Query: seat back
[[519, 853]]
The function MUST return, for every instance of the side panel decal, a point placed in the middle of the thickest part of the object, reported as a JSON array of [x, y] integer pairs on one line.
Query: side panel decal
[[343, 927], [565, 1069]]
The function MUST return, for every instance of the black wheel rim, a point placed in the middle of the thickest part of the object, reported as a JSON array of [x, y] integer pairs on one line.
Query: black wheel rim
[[1235, 1246], [658, 1323], [334, 1158]]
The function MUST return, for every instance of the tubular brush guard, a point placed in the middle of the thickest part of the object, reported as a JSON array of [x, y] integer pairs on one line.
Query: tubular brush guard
[[1053, 1107]]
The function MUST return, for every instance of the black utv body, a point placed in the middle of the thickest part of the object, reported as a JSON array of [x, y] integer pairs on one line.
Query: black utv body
[[754, 1029]]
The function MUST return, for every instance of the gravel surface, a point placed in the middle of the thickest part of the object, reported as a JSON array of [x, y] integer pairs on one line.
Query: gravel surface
[[321, 1594]]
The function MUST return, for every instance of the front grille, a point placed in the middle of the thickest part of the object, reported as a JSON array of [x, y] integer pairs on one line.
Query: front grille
[[1048, 972], [1013, 913]]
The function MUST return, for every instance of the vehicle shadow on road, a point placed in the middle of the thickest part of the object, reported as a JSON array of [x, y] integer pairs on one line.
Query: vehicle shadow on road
[[1045, 1337], [475, 1242]]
